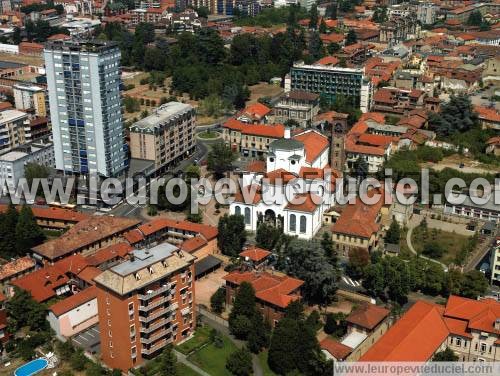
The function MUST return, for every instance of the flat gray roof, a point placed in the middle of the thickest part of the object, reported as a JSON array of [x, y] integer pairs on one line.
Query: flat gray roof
[[144, 258], [162, 114]]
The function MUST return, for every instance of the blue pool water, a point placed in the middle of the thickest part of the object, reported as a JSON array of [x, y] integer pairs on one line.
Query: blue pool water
[[32, 367]]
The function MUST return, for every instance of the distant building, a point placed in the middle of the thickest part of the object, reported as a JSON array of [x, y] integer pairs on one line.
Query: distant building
[[28, 97], [12, 129], [426, 12], [495, 262], [166, 136], [273, 292], [475, 206], [12, 163], [144, 304], [467, 327], [330, 82], [297, 105]]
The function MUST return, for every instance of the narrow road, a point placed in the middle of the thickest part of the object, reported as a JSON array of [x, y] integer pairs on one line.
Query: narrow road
[[411, 226], [184, 360], [257, 369]]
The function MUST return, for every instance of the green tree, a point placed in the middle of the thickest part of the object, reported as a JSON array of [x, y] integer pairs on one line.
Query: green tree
[[239, 363], [360, 168], [333, 48], [192, 172], [218, 300], [328, 247], [232, 234], [313, 17], [8, 223], [474, 284], [220, 159], [322, 27], [23, 310], [243, 307], [168, 362], [475, 19], [358, 261], [28, 233], [315, 46], [335, 324], [393, 235], [447, 355], [268, 236], [456, 116], [307, 261], [351, 37], [433, 249]]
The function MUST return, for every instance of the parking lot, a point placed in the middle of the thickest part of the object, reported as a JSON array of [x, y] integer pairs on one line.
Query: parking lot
[[89, 340]]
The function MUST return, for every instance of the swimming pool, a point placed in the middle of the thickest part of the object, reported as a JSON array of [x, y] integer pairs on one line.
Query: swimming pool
[[32, 367]]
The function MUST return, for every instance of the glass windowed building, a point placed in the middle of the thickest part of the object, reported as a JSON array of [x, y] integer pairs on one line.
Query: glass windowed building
[[330, 82], [83, 79]]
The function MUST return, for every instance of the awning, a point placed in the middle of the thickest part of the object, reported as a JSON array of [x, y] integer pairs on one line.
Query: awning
[[206, 264]]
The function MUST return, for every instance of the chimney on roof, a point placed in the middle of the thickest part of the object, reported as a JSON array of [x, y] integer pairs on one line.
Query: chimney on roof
[[287, 132], [132, 257]]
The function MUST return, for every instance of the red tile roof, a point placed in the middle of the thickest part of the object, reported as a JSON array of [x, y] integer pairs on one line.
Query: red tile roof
[[263, 130], [5, 106], [285, 176], [414, 337], [208, 232], [270, 288], [332, 38], [84, 233], [255, 254], [54, 214], [328, 60], [338, 350], [359, 219], [375, 116], [74, 301], [314, 143], [17, 266], [494, 141], [89, 273], [119, 250], [249, 194], [59, 37], [256, 110], [306, 202], [480, 314], [488, 114], [368, 316], [256, 166], [193, 244], [42, 284]]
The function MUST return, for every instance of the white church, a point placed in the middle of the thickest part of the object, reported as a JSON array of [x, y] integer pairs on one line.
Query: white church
[[292, 188]]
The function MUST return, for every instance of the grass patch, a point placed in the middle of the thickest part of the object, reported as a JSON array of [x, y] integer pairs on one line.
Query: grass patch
[[212, 359], [183, 370], [201, 337], [263, 363], [450, 243], [208, 135]]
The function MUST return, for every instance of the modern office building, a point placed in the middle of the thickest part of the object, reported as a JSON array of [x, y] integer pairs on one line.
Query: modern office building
[[30, 97], [165, 136], [144, 304], [83, 79], [331, 81]]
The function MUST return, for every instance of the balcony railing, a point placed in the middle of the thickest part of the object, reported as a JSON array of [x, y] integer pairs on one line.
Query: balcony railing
[[161, 312], [155, 292], [156, 346], [161, 334], [157, 303], [155, 326]]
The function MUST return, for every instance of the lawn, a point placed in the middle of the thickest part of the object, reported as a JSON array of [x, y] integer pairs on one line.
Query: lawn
[[183, 370], [213, 359], [201, 336], [451, 242], [263, 363]]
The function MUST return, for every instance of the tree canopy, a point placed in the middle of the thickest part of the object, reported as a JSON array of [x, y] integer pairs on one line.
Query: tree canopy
[[232, 234], [456, 116], [220, 159]]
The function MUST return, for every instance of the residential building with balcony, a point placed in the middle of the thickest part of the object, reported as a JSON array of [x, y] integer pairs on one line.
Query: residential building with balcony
[[166, 136], [144, 304], [495, 262], [331, 81], [297, 105], [27, 97], [12, 129]]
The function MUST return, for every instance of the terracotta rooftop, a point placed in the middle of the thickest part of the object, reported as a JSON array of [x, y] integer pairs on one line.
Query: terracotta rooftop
[[256, 110], [17, 266], [306, 202], [85, 233], [89, 273], [480, 314], [193, 244], [74, 301], [269, 288], [256, 166], [414, 337], [367, 316], [255, 254], [249, 194], [314, 143], [336, 349], [42, 283], [118, 250], [488, 114], [359, 219], [264, 130], [328, 60], [54, 214]]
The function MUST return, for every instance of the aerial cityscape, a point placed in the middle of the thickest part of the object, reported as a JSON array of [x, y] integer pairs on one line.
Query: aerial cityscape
[[249, 187]]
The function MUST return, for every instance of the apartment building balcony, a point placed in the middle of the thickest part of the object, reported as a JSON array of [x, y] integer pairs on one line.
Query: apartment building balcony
[[155, 304], [159, 313], [156, 346], [160, 334], [154, 293], [155, 326]]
